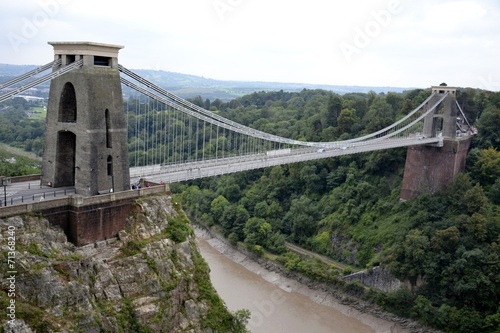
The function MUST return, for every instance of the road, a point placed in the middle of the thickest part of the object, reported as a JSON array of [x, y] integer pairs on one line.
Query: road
[[30, 191], [201, 169]]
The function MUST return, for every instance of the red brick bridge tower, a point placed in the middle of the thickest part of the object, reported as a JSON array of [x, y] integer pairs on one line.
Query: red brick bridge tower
[[430, 167]]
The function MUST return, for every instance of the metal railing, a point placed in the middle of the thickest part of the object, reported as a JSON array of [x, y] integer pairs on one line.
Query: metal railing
[[34, 197]]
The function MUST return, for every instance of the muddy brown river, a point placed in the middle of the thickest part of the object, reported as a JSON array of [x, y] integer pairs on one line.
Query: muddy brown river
[[279, 304]]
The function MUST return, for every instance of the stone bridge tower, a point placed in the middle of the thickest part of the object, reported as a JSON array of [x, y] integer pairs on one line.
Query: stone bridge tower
[[429, 168], [86, 132]]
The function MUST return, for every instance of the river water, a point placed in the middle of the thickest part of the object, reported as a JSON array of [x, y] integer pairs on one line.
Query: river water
[[278, 304]]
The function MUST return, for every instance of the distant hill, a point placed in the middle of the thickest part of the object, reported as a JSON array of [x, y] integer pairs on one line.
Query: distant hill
[[186, 86]]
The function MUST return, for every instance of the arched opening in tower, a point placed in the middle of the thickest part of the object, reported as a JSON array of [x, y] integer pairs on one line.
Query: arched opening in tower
[[65, 159], [67, 104]]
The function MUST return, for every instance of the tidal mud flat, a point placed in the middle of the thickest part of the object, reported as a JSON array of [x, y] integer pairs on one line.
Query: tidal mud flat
[[348, 311]]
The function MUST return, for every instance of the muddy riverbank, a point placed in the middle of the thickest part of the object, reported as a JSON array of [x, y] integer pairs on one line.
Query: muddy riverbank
[[347, 311]]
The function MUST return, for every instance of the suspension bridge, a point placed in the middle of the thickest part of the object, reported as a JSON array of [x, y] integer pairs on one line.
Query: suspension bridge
[[97, 146], [169, 139]]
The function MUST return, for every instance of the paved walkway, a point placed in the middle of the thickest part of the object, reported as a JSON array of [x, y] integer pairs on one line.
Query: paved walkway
[[30, 191]]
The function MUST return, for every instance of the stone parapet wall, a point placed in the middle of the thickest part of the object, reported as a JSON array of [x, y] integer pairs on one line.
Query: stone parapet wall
[[87, 220], [77, 200], [26, 178]]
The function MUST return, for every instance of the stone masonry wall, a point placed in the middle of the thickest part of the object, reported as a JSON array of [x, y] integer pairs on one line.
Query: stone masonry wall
[[429, 169]]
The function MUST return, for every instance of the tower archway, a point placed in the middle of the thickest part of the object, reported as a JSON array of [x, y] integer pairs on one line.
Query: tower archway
[[67, 104], [65, 159]]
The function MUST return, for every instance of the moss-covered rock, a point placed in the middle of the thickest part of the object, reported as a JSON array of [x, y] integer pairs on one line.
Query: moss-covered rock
[[149, 279]]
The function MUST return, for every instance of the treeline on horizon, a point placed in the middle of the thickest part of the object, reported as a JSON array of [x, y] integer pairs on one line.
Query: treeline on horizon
[[446, 245]]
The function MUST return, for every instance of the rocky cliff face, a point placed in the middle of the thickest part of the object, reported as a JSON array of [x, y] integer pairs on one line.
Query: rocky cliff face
[[151, 278]]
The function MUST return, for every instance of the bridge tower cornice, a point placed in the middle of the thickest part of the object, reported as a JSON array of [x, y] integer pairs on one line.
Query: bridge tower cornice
[[93, 54]]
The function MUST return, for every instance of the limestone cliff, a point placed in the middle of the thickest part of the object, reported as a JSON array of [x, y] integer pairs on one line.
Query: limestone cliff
[[151, 278]]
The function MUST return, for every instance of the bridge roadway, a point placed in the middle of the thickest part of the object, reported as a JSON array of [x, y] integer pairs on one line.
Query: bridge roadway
[[31, 191], [214, 167]]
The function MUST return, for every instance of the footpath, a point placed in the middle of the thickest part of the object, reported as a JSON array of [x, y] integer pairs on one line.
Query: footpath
[[326, 260]]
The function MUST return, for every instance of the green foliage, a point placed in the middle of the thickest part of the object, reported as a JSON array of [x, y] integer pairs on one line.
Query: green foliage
[[444, 244], [34, 249], [301, 219], [257, 231], [218, 317], [276, 243], [18, 130], [379, 115], [37, 319], [486, 168], [347, 270], [127, 319], [241, 318], [133, 247], [346, 121], [488, 126], [422, 309], [12, 165], [399, 302], [313, 268], [178, 229]]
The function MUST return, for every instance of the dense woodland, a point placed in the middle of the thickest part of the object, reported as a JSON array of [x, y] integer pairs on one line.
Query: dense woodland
[[447, 245]]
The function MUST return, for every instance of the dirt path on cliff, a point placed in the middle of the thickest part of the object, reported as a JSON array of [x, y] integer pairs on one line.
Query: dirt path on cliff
[[308, 253]]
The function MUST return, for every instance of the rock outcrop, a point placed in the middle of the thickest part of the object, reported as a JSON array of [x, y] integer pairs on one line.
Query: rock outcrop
[[151, 278], [376, 277]]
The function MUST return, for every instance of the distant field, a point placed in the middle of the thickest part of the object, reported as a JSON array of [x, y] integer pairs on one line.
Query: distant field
[[38, 112], [18, 152]]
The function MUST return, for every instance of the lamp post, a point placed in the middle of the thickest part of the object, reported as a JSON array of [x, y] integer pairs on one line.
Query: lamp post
[[4, 184]]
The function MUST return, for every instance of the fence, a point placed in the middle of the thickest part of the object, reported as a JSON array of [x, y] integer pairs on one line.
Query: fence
[[50, 201]]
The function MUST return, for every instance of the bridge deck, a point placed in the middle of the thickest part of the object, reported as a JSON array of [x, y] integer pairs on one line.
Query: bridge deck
[[215, 167]]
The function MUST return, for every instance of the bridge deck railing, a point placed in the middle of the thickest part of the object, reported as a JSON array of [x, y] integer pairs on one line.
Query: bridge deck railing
[[12, 200], [78, 200]]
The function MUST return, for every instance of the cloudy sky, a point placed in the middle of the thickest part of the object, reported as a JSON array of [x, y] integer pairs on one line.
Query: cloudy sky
[[357, 42]]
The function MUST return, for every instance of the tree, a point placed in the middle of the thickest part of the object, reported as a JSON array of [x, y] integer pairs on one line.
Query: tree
[[198, 101], [217, 208], [301, 219], [346, 120], [494, 193], [476, 200], [310, 178], [277, 185], [487, 126], [231, 191], [423, 309], [333, 109], [396, 101], [379, 115], [276, 243], [240, 321], [446, 240], [414, 253], [486, 169], [241, 217], [257, 231]]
